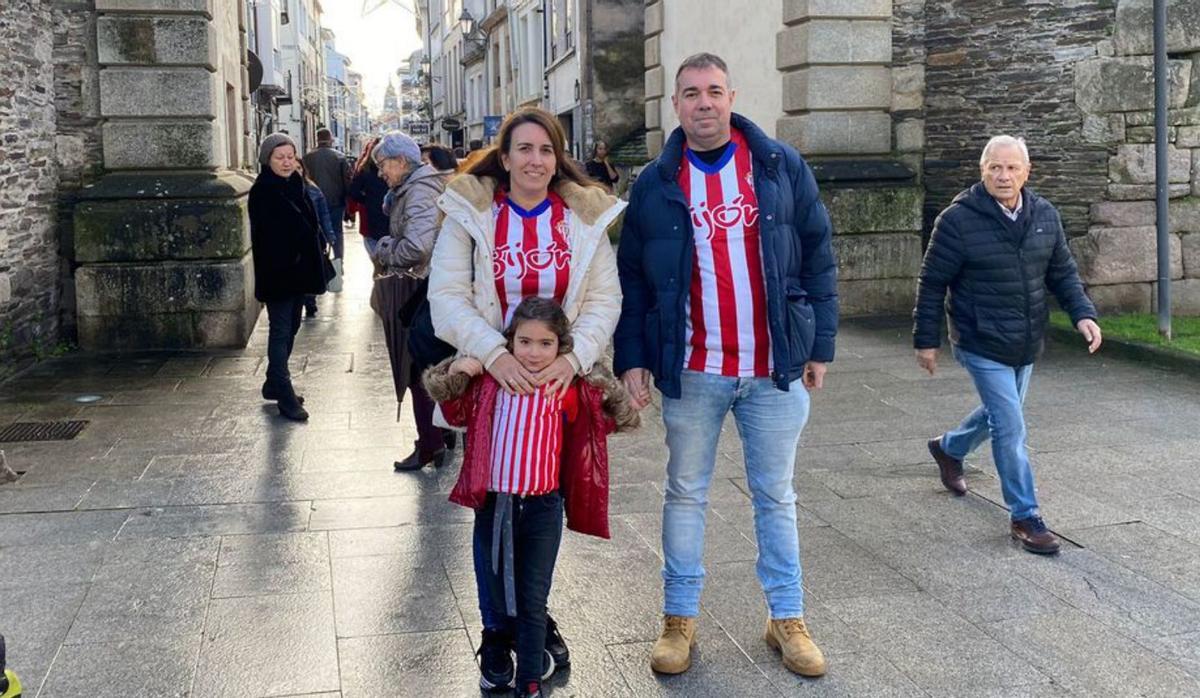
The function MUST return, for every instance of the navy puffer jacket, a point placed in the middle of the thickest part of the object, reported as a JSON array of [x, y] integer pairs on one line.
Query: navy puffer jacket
[[991, 274], [655, 264]]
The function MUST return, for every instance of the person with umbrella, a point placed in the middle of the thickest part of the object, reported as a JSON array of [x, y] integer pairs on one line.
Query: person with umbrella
[[402, 268]]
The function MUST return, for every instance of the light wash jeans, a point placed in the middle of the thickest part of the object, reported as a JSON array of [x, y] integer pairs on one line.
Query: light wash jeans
[[769, 422], [1002, 390]]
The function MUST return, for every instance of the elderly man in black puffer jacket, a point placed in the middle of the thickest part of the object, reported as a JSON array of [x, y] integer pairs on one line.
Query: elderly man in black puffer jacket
[[993, 254]]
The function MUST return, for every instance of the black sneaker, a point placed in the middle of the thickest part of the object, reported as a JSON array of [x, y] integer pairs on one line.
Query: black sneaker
[[556, 646], [496, 670], [532, 689]]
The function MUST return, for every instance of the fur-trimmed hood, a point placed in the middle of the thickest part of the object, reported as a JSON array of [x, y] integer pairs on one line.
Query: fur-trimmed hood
[[589, 203], [443, 386]]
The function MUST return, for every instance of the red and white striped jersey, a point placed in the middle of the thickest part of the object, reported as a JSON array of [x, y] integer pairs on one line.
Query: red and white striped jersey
[[531, 255], [527, 441], [726, 308]]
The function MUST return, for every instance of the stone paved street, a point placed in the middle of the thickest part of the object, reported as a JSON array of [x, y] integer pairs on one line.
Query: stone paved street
[[190, 542]]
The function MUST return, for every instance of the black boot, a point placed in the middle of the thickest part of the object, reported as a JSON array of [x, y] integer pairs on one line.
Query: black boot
[[270, 392], [417, 460], [293, 410]]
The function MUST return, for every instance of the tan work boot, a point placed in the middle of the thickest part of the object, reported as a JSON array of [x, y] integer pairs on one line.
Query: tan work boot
[[800, 654], [672, 653]]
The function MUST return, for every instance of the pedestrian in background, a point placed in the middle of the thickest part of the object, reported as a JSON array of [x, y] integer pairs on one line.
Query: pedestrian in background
[[327, 230], [402, 256], [289, 261], [731, 305], [440, 157], [523, 221], [996, 251], [330, 170], [366, 193], [600, 169]]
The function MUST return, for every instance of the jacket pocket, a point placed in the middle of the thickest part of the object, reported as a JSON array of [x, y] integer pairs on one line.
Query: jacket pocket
[[801, 328]]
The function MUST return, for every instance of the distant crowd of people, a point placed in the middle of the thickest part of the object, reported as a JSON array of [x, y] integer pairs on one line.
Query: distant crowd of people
[[500, 295]]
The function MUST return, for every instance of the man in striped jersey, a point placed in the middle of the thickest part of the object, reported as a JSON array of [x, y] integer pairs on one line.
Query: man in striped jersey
[[730, 303]]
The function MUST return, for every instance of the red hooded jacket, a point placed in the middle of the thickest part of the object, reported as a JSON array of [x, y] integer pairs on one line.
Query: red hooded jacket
[[604, 407]]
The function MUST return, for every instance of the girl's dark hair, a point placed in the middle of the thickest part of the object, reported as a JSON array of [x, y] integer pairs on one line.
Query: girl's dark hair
[[565, 168], [543, 310], [441, 157]]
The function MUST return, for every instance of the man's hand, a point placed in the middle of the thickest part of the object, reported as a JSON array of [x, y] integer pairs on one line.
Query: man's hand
[[557, 376], [927, 359], [637, 384], [814, 375], [1091, 332], [513, 378]]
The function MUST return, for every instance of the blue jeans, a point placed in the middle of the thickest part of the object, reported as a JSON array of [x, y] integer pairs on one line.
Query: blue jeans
[[769, 422], [338, 241], [283, 322], [1002, 391]]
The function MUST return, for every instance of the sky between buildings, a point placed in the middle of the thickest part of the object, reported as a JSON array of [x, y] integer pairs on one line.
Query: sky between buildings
[[377, 35]]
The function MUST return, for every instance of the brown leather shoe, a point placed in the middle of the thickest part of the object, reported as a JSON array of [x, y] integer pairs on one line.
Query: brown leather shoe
[[951, 469], [672, 653], [800, 654], [1034, 536]]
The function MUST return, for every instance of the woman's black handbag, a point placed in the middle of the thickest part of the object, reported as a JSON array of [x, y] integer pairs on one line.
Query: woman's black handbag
[[424, 348]]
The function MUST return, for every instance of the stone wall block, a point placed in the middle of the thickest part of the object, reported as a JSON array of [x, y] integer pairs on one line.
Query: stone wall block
[[795, 11], [910, 136], [655, 82], [1121, 298], [1122, 255], [1144, 192], [1122, 214], [202, 7], [876, 296], [653, 109], [654, 142], [188, 92], [1135, 26], [152, 145], [133, 230], [834, 41], [1183, 215], [654, 19], [151, 306], [1185, 297], [908, 87], [829, 87], [1134, 164], [652, 54], [144, 40], [1126, 84], [874, 210], [837, 133], [1191, 255], [1187, 137], [878, 256]]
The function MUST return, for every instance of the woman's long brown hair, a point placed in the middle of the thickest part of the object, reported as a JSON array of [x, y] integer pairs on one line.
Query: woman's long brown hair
[[364, 160], [489, 164]]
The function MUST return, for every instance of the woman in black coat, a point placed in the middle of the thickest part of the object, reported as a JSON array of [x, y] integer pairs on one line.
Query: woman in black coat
[[289, 261]]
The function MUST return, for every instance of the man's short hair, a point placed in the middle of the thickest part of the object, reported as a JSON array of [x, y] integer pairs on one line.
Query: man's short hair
[[1003, 141], [324, 135], [700, 61]]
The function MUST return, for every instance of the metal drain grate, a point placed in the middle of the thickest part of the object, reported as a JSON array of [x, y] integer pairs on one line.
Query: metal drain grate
[[42, 431]]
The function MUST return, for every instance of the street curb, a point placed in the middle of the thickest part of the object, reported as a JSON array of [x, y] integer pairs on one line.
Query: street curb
[[1127, 350]]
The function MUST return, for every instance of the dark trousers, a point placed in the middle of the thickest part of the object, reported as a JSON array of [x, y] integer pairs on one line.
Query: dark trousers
[[536, 533], [339, 242], [283, 319], [429, 437]]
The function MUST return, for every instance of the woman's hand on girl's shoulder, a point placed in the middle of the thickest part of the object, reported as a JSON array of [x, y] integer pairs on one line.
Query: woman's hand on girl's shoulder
[[468, 365], [557, 376]]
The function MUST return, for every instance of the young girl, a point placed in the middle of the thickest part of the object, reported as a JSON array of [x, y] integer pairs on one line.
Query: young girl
[[528, 459]]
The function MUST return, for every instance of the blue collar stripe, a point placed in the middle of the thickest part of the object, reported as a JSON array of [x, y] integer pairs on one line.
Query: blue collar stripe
[[537, 210], [716, 166]]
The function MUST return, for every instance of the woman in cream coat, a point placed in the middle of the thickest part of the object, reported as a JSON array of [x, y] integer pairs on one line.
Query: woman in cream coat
[[558, 247]]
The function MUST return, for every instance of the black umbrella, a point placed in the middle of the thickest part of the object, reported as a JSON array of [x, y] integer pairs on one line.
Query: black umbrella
[[388, 297]]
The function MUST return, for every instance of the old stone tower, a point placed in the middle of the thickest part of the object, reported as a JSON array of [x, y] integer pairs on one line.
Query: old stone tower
[[125, 143]]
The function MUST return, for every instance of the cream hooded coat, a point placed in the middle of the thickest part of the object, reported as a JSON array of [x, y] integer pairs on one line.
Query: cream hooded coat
[[465, 304]]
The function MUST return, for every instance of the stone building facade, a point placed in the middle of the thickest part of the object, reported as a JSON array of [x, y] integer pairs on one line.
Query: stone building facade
[[123, 139], [892, 100]]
